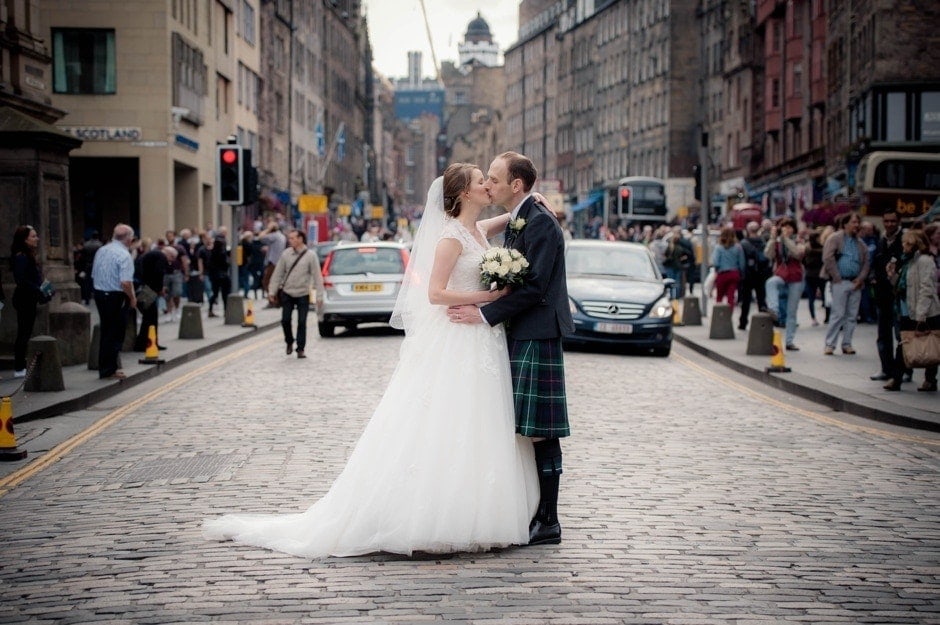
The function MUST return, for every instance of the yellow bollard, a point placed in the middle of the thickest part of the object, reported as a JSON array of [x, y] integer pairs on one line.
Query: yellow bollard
[[676, 317], [152, 353], [778, 363], [8, 448], [249, 321]]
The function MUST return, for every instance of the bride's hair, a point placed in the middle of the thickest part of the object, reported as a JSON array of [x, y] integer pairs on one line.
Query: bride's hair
[[457, 179]]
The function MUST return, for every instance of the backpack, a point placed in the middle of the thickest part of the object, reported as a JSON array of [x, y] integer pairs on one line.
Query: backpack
[[754, 258]]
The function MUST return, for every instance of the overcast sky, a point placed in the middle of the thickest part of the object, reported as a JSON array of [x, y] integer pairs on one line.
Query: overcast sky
[[397, 26]]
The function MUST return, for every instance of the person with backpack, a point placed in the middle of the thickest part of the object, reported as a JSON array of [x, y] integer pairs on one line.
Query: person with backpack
[[756, 272]]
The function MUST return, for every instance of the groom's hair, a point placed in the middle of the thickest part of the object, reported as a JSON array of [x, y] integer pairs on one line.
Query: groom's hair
[[520, 167]]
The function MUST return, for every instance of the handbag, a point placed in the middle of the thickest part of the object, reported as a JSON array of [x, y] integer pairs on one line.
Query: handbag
[[146, 297], [921, 348], [279, 295], [46, 291], [790, 271]]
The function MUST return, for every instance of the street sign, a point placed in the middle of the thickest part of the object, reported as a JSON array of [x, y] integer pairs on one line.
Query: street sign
[[344, 210], [378, 211], [312, 204]]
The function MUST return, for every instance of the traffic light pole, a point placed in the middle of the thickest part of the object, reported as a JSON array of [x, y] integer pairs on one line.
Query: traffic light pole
[[703, 216]]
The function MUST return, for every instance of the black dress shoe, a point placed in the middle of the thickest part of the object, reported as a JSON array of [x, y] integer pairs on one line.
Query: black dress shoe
[[880, 377], [290, 349], [301, 354], [541, 534], [893, 385], [161, 347]]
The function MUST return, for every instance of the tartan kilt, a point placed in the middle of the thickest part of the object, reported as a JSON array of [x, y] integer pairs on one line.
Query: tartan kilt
[[538, 387]]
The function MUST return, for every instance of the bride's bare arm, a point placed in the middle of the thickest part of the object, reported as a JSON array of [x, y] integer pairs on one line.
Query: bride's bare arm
[[494, 225], [445, 258]]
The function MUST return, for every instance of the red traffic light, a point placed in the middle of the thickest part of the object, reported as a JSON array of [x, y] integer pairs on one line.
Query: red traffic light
[[229, 156], [624, 192]]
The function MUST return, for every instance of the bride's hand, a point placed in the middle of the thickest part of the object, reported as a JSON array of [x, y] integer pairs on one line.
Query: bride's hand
[[541, 199]]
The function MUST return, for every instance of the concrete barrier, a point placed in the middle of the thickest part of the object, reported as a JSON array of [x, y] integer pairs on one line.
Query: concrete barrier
[[234, 310], [191, 322], [721, 326], [46, 374], [691, 311], [760, 336]]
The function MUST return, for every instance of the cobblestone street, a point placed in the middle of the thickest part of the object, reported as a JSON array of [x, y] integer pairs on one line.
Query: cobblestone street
[[689, 497]]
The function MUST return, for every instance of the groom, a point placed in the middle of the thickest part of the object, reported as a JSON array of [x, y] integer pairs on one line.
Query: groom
[[538, 317]]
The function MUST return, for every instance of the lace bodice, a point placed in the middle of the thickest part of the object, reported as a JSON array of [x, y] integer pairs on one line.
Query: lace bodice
[[466, 274]]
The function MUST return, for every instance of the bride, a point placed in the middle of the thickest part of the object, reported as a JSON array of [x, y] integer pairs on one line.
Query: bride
[[438, 467]]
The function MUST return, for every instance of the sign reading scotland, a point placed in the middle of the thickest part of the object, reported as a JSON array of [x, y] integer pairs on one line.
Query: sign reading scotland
[[102, 133], [413, 104]]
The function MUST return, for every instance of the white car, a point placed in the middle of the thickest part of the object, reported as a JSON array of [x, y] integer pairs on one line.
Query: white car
[[361, 282]]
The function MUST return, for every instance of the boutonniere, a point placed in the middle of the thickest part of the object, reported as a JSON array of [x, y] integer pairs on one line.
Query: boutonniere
[[517, 224]]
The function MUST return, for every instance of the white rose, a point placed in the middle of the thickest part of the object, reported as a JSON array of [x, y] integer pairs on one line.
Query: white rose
[[515, 266], [502, 270], [490, 266]]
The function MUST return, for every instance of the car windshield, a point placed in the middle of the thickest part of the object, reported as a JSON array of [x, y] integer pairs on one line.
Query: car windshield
[[360, 260], [610, 261]]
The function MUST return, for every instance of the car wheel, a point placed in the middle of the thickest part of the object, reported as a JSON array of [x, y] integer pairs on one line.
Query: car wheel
[[327, 330], [662, 352]]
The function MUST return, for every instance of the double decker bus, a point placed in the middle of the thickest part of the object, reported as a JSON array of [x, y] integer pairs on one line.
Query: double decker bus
[[637, 199], [907, 182]]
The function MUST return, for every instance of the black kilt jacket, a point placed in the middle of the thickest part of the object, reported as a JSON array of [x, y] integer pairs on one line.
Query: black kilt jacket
[[538, 309]]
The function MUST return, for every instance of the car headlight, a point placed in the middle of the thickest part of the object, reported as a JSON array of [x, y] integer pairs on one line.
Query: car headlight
[[662, 309], [572, 306]]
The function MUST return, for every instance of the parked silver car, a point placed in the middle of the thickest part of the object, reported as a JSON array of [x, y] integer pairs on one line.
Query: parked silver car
[[361, 282]]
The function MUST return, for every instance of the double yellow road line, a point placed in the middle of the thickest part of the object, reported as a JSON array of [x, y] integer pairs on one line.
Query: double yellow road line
[[56, 453]]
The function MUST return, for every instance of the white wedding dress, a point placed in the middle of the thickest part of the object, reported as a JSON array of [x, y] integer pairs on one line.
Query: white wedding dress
[[439, 467]]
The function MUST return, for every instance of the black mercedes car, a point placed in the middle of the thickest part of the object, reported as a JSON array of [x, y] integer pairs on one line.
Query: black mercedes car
[[618, 296]]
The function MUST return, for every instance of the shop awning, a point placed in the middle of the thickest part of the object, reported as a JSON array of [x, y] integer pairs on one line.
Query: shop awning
[[594, 198]]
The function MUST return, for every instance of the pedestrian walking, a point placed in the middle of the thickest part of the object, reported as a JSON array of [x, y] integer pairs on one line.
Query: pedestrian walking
[[786, 253], [297, 271], [889, 246], [728, 261], [154, 267], [218, 268], [276, 242], [113, 276], [28, 294], [845, 264], [916, 300], [756, 272]]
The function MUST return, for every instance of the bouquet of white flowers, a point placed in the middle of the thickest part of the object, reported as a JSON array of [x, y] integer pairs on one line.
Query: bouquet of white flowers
[[502, 267]]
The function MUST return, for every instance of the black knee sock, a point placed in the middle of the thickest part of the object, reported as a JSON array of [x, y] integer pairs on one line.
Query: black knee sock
[[548, 464]]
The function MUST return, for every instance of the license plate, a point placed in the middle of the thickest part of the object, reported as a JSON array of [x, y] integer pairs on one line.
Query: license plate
[[613, 328], [371, 287]]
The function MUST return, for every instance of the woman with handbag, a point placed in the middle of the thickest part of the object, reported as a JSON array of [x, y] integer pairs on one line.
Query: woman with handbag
[[917, 303], [786, 253], [28, 294]]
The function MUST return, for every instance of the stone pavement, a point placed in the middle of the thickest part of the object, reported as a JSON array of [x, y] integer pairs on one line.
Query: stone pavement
[[83, 388], [840, 382], [686, 500]]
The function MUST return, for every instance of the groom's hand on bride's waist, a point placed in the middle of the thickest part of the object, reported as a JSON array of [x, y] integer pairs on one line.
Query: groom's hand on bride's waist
[[464, 314]]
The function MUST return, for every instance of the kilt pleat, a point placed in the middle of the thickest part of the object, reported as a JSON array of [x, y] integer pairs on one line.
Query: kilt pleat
[[538, 383]]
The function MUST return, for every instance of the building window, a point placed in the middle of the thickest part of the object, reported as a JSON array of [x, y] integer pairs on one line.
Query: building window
[[83, 61], [930, 116], [248, 22], [896, 115], [190, 80], [775, 93]]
